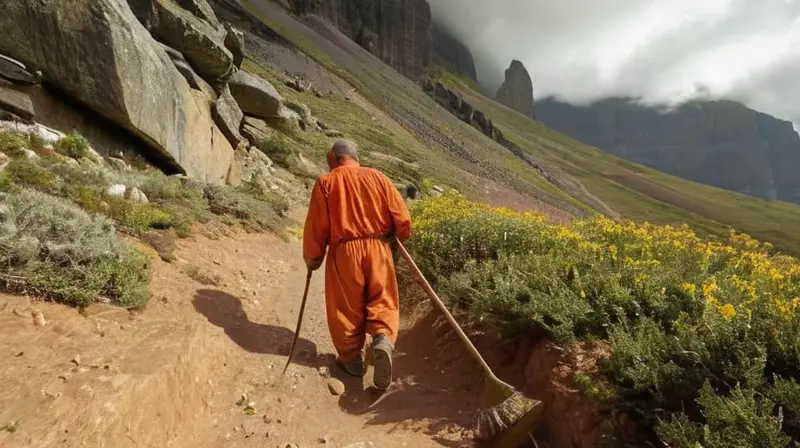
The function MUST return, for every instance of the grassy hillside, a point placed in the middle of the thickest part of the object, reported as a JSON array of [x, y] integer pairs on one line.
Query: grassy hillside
[[447, 149], [638, 192], [458, 147]]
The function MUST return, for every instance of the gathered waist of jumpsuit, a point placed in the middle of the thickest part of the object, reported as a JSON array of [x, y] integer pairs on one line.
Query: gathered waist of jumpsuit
[[372, 236]]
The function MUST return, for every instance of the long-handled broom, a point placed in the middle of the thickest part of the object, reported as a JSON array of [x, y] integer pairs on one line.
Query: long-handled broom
[[507, 417]]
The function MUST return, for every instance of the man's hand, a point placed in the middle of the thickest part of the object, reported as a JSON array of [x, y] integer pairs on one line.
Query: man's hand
[[313, 265]]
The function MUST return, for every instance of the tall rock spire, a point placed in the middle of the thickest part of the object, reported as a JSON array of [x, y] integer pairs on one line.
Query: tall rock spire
[[517, 90]]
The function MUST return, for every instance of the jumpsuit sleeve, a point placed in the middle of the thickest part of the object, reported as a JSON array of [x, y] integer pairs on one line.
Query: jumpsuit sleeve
[[316, 232], [400, 214]]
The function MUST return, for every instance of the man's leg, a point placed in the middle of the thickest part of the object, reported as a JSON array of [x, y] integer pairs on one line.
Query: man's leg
[[383, 309], [344, 286]]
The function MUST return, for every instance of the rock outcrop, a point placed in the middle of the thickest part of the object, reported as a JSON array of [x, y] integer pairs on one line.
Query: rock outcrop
[[719, 143], [195, 32], [396, 31], [97, 53], [451, 54], [17, 103], [228, 115], [517, 90], [255, 96]]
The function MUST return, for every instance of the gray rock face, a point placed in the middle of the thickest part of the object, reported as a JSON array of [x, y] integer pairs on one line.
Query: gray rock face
[[228, 117], [188, 31], [173, 54], [202, 10], [194, 80], [15, 71], [128, 78], [201, 44], [255, 96], [234, 41], [18, 103], [517, 90]]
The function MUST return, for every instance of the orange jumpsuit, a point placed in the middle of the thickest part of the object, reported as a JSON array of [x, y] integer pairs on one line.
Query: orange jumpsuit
[[351, 207]]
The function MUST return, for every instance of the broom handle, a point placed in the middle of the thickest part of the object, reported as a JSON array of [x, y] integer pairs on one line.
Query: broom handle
[[438, 302]]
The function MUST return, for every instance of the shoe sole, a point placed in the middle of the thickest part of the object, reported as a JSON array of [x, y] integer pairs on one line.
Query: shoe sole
[[382, 378]]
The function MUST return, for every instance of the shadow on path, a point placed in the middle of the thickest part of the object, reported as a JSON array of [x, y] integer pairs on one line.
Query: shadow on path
[[226, 311], [436, 387]]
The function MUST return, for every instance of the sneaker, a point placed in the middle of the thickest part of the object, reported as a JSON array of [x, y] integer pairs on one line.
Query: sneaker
[[382, 357], [353, 367]]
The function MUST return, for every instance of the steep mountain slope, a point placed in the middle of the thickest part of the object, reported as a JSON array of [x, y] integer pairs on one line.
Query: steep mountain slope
[[638, 192], [458, 154], [720, 143]]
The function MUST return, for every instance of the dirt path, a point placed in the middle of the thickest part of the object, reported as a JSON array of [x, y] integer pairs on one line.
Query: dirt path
[[172, 374]]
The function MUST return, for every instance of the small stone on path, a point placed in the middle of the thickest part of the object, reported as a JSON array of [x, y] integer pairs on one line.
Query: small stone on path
[[38, 318], [335, 386]]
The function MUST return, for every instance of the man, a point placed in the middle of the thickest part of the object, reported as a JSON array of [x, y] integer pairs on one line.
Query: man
[[355, 212]]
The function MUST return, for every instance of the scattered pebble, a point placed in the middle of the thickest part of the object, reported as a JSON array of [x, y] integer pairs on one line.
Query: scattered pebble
[[335, 386], [242, 400], [38, 318], [76, 360], [324, 372], [323, 440]]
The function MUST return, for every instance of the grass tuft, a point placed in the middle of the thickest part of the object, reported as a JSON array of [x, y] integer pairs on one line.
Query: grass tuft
[[73, 145]]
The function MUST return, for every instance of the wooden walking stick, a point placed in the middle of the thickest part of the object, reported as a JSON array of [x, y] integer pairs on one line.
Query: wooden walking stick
[[299, 322]]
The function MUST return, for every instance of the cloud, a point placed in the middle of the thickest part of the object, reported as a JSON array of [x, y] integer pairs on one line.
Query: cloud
[[662, 51]]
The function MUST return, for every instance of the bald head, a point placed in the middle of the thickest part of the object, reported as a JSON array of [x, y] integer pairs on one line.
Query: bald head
[[341, 151], [345, 148]]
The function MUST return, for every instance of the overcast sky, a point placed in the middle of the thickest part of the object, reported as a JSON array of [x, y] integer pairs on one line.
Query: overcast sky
[[664, 51]]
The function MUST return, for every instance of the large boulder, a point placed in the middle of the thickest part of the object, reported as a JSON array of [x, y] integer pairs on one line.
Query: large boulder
[[229, 117], [255, 96], [188, 31], [17, 103], [194, 80], [96, 52]]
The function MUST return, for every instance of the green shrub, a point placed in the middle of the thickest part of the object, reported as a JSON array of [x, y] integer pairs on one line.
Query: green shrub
[[12, 143], [73, 145], [28, 173], [697, 329], [280, 148], [277, 201], [54, 248], [253, 213]]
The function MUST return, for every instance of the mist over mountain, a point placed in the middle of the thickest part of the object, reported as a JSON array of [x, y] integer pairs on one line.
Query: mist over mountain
[[662, 52]]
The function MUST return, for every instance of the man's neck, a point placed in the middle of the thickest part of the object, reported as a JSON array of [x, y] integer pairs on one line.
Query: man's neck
[[349, 163]]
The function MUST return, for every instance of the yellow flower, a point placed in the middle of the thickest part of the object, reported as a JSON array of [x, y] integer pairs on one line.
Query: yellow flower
[[727, 311], [689, 288], [583, 294], [710, 286]]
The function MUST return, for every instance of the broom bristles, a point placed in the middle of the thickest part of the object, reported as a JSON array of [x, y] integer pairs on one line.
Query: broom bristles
[[494, 420]]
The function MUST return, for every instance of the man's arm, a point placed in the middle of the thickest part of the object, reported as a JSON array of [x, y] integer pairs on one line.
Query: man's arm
[[399, 211], [317, 228]]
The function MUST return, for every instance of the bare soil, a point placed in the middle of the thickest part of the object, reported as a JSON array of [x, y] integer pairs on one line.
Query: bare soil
[[174, 373]]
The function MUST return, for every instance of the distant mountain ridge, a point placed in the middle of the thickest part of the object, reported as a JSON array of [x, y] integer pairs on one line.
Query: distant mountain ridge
[[720, 143]]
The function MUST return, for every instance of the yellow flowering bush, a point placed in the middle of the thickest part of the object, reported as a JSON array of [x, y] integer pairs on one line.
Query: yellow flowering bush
[[696, 327]]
